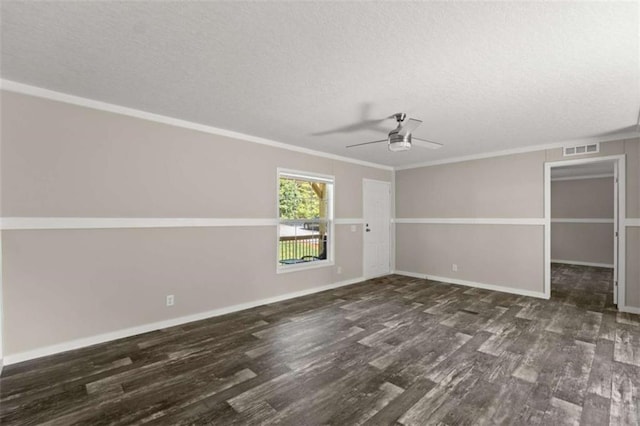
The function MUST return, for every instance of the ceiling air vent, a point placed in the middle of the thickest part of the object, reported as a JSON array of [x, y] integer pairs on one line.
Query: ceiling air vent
[[591, 148]]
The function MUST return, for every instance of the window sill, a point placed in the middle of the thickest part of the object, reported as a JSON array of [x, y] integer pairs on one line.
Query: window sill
[[283, 269]]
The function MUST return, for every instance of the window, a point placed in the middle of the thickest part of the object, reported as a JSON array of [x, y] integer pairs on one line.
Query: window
[[305, 228]]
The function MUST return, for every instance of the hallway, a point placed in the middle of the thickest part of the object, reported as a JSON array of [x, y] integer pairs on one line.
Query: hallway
[[582, 286]]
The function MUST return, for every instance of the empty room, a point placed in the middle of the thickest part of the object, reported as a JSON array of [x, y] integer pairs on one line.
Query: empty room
[[312, 213]]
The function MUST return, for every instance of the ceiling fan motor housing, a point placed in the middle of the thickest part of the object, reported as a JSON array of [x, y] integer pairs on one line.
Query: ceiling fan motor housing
[[399, 142]]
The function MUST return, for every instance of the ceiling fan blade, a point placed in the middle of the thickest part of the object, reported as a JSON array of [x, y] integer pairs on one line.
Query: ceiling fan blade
[[409, 126], [423, 143], [366, 143]]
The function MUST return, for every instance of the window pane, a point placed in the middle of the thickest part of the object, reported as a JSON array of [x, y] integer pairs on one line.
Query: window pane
[[304, 208], [303, 246], [301, 199]]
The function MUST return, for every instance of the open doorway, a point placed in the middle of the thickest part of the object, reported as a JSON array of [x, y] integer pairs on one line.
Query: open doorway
[[584, 251]]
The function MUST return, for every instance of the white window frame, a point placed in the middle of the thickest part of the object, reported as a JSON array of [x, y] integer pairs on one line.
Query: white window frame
[[316, 177]]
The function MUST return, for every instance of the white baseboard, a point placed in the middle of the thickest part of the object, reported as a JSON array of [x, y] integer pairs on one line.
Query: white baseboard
[[629, 309], [578, 263], [484, 286], [411, 274], [128, 332]]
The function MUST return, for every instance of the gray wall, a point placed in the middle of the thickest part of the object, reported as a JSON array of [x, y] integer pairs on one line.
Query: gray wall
[[506, 187], [60, 160], [61, 285], [582, 199]]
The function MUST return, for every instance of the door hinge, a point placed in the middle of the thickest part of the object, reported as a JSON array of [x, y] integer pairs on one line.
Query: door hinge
[[616, 233], [615, 283]]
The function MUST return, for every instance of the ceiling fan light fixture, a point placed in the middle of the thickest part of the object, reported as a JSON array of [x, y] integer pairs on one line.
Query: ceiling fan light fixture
[[401, 145], [398, 142]]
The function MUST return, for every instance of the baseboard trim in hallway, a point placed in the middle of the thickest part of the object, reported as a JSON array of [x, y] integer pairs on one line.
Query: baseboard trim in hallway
[[475, 284], [145, 328]]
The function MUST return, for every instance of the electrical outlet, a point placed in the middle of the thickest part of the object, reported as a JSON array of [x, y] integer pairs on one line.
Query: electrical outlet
[[339, 270], [454, 267], [170, 300]]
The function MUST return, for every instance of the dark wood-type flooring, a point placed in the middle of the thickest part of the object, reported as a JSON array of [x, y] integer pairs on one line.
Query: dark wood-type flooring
[[387, 351]]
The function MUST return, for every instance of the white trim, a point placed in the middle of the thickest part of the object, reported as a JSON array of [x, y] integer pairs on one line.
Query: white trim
[[128, 332], [297, 267], [576, 262], [554, 145], [410, 274], [577, 161], [619, 269], [24, 223], [547, 231], [472, 221], [475, 284], [631, 222], [392, 227], [349, 221], [13, 86], [559, 179], [578, 220], [616, 230], [302, 175], [127, 222]]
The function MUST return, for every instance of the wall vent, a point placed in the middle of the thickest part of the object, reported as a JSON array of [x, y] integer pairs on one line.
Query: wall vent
[[591, 148]]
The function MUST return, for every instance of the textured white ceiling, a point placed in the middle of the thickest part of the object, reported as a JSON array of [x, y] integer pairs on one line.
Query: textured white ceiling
[[483, 77]]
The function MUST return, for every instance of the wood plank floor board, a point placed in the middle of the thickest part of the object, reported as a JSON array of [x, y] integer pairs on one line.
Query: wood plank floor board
[[625, 394], [475, 406], [391, 412], [204, 410], [392, 350], [508, 405], [573, 385], [601, 370], [595, 410]]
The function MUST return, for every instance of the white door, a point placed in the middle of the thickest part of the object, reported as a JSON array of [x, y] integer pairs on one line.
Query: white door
[[377, 219], [615, 232]]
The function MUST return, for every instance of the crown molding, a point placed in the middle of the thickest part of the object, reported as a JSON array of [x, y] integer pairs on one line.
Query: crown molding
[[25, 89], [523, 150]]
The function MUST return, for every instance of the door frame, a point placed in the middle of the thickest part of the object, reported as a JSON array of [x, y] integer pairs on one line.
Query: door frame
[[619, 221], [364, 222]]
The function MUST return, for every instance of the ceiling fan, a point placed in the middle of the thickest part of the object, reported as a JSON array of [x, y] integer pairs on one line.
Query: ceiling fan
[[400, 139]]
